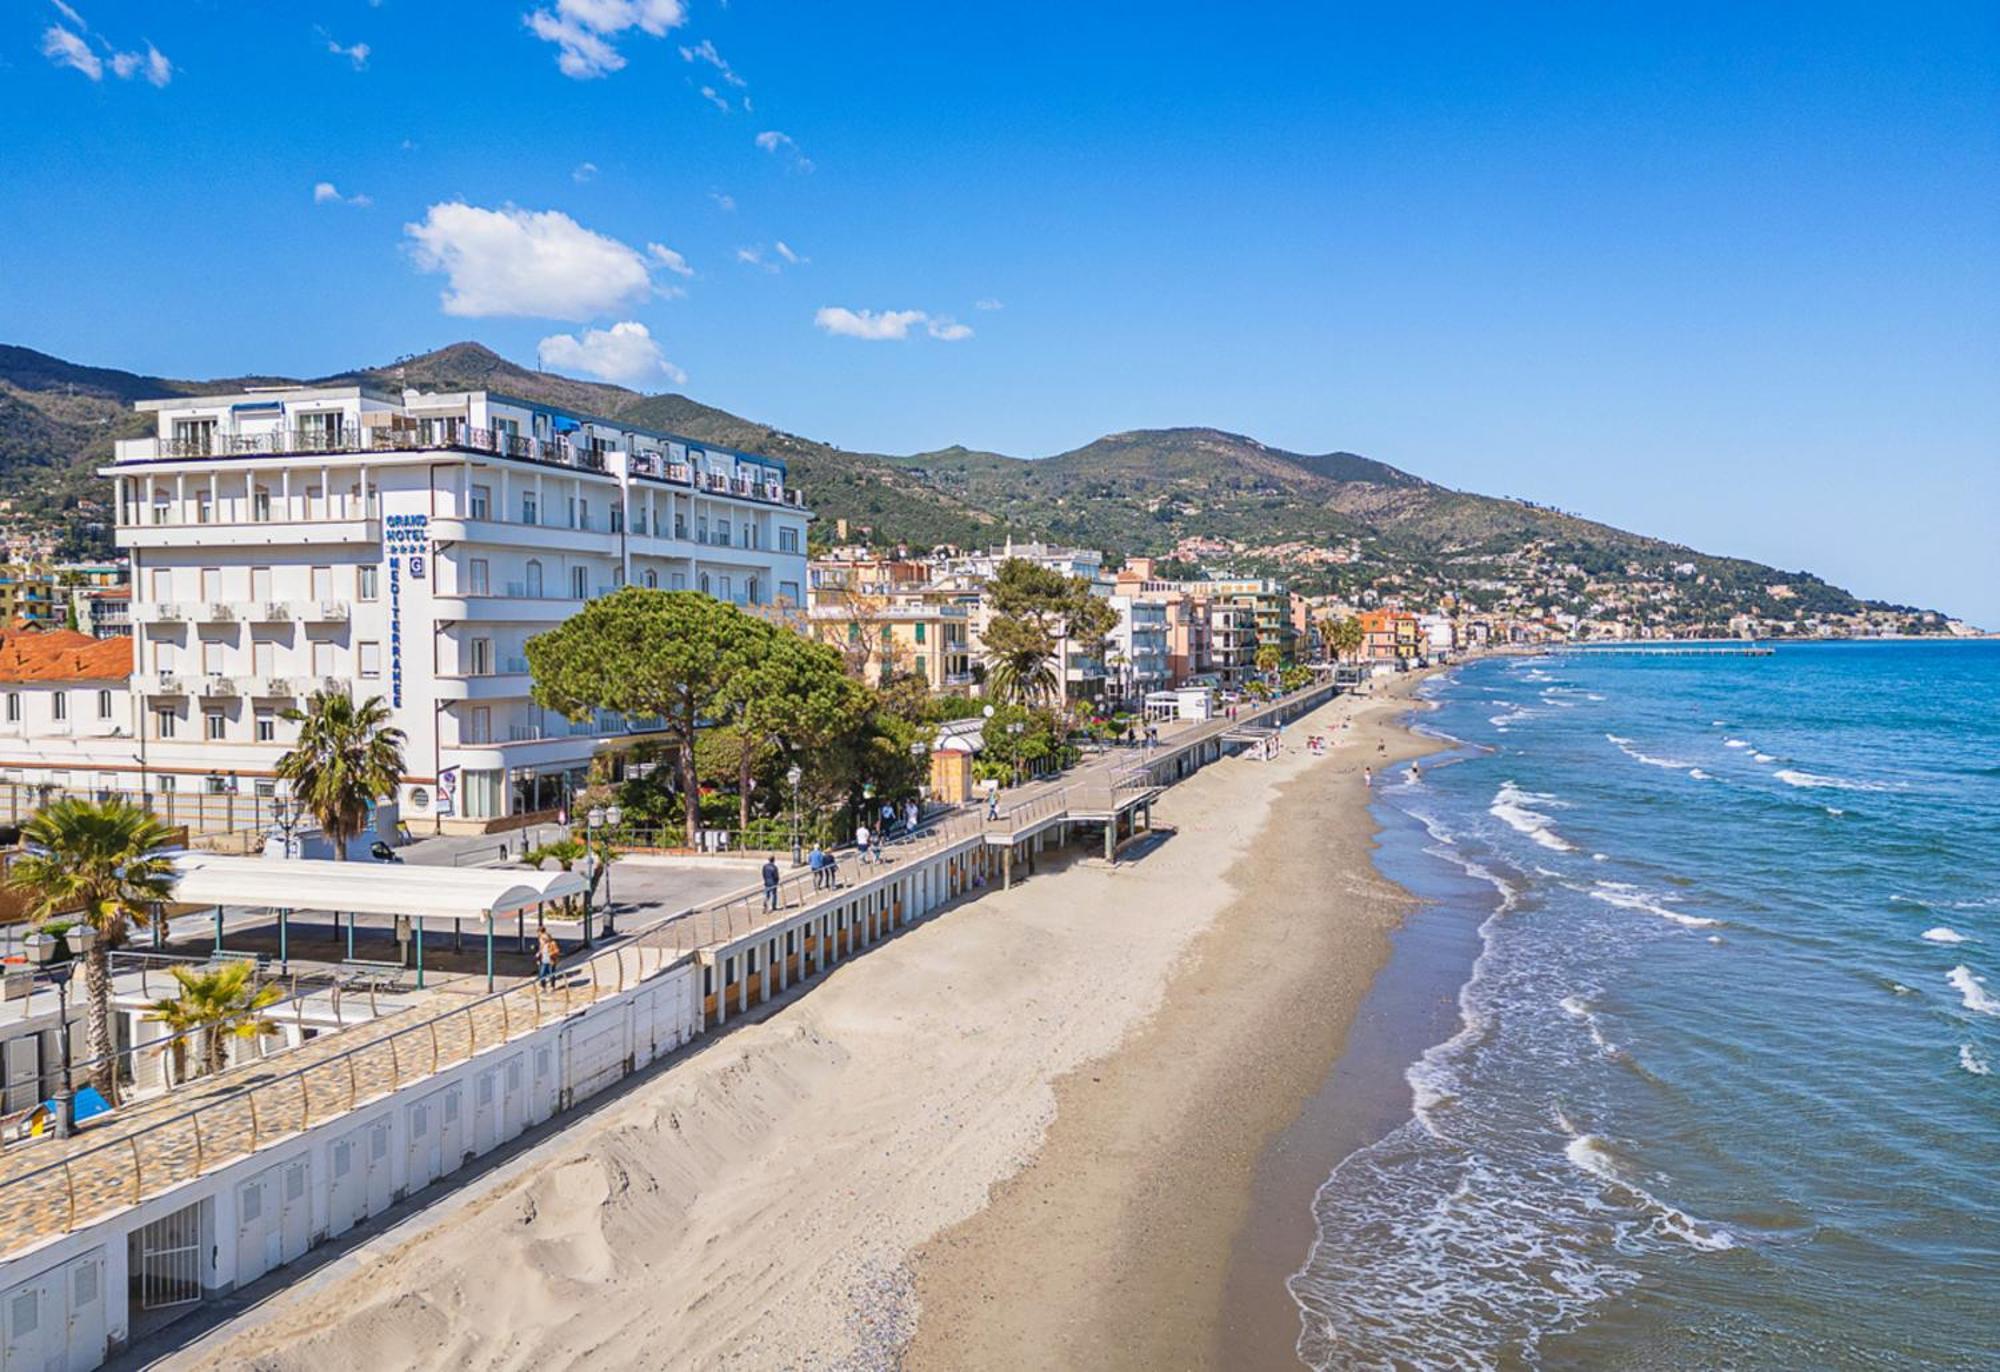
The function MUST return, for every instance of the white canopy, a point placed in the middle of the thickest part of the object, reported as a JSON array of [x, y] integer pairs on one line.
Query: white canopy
[[367, 888]]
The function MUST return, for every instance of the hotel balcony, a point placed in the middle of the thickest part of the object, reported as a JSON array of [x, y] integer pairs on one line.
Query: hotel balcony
[[449, 436], [504, 685]]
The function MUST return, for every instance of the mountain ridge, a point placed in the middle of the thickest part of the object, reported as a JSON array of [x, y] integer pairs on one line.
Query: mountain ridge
[[1337, 522]]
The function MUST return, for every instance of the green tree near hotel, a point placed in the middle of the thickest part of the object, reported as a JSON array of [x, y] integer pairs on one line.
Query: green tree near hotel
[[788, 694], [1035, 608], [648, 654], [222, 1003], [103, 863], [347, 757], [1343, 637]]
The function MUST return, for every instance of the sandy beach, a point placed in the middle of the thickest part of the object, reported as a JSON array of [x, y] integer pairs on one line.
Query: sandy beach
[[1023, 1133]]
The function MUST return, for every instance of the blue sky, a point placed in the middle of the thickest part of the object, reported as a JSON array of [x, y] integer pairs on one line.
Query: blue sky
[[1724, 274]]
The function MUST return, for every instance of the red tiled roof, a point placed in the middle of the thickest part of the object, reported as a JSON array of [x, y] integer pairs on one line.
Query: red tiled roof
[[54, 655]]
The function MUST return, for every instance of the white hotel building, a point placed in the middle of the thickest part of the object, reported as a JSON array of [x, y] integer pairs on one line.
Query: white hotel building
[[288, 539]]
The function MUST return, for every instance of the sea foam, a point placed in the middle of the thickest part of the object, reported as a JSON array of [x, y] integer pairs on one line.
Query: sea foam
[[1974, 995], [1592, 1154], [1941, 934], [1972, 1062], [1814, 781], [1624, 745], [1629, 897], [1515, 808]]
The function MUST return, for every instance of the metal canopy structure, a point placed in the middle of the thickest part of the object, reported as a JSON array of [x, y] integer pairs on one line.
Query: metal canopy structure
[[360, 888], [367, 888]]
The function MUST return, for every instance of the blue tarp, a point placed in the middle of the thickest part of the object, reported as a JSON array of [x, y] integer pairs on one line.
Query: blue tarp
[[89, 1105]]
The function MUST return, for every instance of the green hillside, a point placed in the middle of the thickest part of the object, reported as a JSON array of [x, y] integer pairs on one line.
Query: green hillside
[[1335, 522]]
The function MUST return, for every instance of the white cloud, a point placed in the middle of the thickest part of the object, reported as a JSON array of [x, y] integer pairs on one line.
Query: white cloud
[[785, 252], [584, 30], [887, 325], [776, 143], [989, 303], [356, 53], [704, 51], [725, 203], [523, 262], [66, 49], [709, 94], [326, 193], [786, 257], [669, 259], [69, 48], [624, 353], [754, 257], [583, 172]]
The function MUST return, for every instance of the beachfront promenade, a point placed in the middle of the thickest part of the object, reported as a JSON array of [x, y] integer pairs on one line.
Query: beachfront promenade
[[609, 1013]]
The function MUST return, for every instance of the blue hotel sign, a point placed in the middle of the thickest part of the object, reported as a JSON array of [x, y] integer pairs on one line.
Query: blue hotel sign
[[407, 540]]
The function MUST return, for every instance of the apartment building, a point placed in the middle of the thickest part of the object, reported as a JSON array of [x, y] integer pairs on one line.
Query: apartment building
[[65, 713], [30, 596], [1136, 654], [1389, 635], [913, 633], [1270, 606], [288, 539]]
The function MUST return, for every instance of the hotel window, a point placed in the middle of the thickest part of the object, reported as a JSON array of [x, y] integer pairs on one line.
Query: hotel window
[[370, 656], [212, 656], [722, 533], [13, 707], [680, 581], [618, 521], [920, 631], [322, 583], [163, 657], [204, 507], [211, 583], [479, 725], [572, 514], [579, 583], [788, 540], [479, 657], [315, 502], [260, 583], [367, 581], [214, 726], [264, 656], [260, 504], [59, 703], [320, 431], [701, 528], [534, 579], [475, 576], [652, 580], [530, 508], [480, 502], [166, 783], [104, 704], [325, 659], [163, 584], [267, 725], [749, 534], [194, 437], [163, 727]]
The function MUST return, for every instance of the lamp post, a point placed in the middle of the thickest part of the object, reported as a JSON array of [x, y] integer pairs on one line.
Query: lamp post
[[613, 817], [42, 948], [792, 778]]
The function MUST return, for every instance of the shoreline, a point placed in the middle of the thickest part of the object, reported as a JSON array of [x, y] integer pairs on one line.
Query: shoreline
[[1138, 1236]]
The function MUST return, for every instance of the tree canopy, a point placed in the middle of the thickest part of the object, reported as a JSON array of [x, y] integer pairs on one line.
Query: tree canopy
[[347, 757], [1035, 609]]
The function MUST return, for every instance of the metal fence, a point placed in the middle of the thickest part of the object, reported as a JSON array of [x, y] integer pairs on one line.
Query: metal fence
[[201, 812]]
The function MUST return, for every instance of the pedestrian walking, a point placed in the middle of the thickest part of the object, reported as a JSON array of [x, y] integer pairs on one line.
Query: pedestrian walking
[[912, 814], [993, 802], [1367, 776], [861, 842], [816, 861], [547, 954], [770, 883]]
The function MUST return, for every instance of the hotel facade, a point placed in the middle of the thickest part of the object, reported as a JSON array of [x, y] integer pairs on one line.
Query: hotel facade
[[289, 540]]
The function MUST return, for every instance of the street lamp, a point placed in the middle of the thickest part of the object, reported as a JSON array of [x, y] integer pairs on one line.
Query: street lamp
[[597, 828], [42, 949], [792, 778]]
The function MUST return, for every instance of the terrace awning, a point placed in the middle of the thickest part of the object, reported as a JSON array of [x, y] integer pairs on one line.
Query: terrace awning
[[367, 888]]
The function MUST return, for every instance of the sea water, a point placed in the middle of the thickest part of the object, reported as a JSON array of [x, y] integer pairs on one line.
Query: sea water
[[1722, 1089]]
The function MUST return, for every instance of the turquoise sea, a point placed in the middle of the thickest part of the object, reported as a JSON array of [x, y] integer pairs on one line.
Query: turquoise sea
[[1720, 1090]]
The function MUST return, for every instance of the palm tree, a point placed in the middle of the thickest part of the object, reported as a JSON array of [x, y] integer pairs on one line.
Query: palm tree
[[222, 1002], [347, 757], [104, 863], [1343, 637], [1021, 662]]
